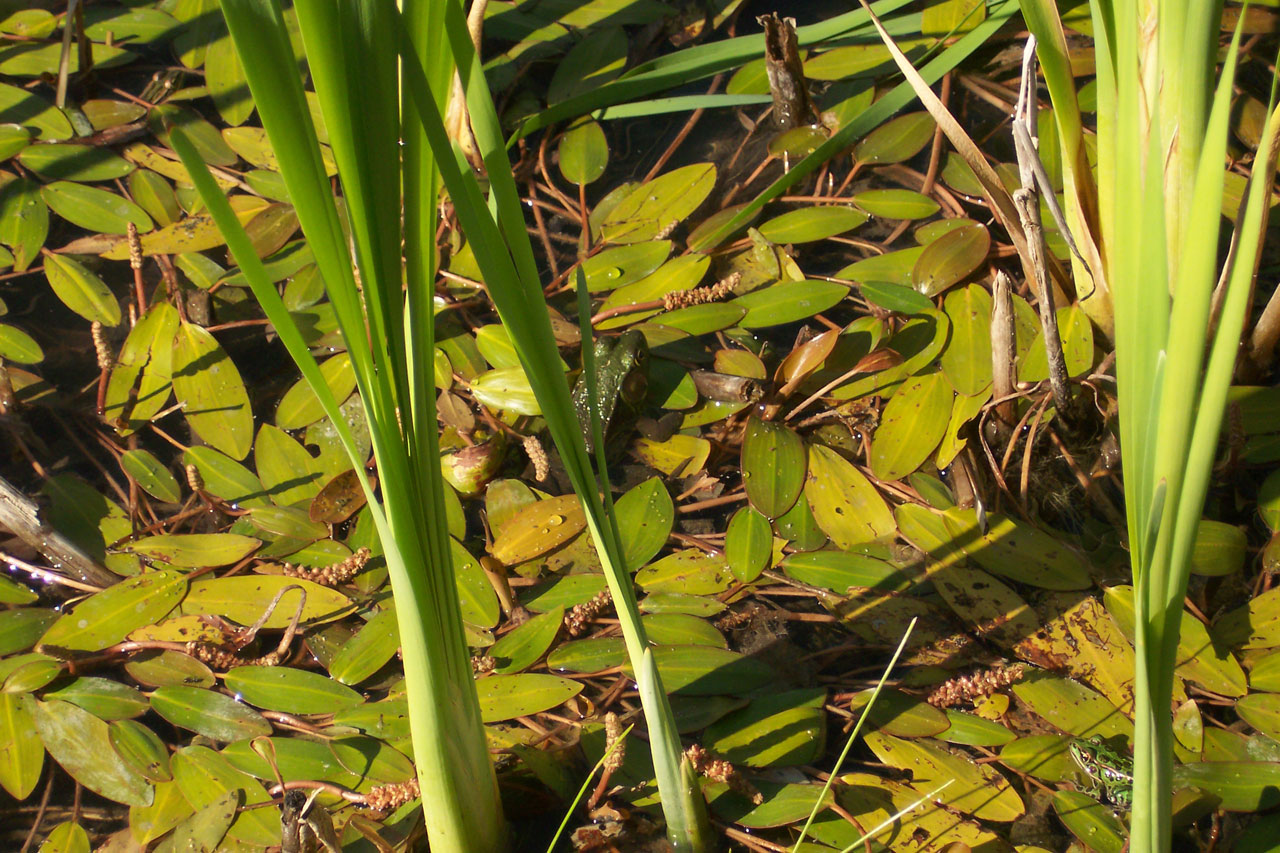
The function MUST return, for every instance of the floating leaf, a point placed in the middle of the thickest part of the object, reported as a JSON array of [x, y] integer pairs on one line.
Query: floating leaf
[[289, 690], [196, 550], [21, 752], [107, 617], [1091, 822], [773, 466], [780, 730], [678, 456], [844, 503], [75, 162], [24, 220], [656, 206], [95, 209], [913, 423], [645, 516], [102, 697], [80, 742], [66, 838], [213, 396], [244, 599], [505, 697], [896, 204], [1220, 549], [521, 649], [584, 152], [619, 266], [950, 259], [372, 646], [151, 474], [81, 290], [205, 777], [788, 301], [506, 390], [748, 544], [809, 224], [896, 140], [538, 528], [17, 346], [708, 671], [689, 571], [976, 789], [967, 359], [209, 713], [141, 749], [28, 109]]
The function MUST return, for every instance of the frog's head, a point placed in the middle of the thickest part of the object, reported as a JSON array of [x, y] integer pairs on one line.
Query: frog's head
[[631, 355]]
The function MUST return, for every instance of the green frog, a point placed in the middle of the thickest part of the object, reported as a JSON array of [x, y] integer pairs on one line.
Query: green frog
[[1109, 774], [621, 374]]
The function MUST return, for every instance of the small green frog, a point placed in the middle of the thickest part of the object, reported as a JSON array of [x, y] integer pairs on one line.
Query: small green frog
[[621, 374], [1109, 774]]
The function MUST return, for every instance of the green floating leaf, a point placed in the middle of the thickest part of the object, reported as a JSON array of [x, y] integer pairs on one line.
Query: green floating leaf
[[1200, 658], [1076, 332], [208, 385], [521, 649], [1094, 824], [102, 697], [372, 646], [976, 789], [96, 209], [203, 135], [788, 301], [21, 627], [193, 234], [140, 382], [81, 290], [913, 423], [538, 528], [299, 407], [645, 515], [839, 571], [707, 671], [900, 714], [896, 204], [781, 730], [889, 268], [505, 697], [895, 297], [656, 206], [209, 713], [896, 140], [844, 503], [584, 152], [156, 198], [79, 742], [205, 777], [288, 472], [622, 265], [773, 466], [809, 224], [950, 259], [225, 478], [196, 550], [141, 749], [1220, 549], [74, 162], [585, 656], [967, 359], [506, 390], [66, 838], [290, 690], [21, 751], [27, 109], [690, 571], [748, 544], [244, 598], [19, 347], [151, 474], [24, 221], [107, 617]]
